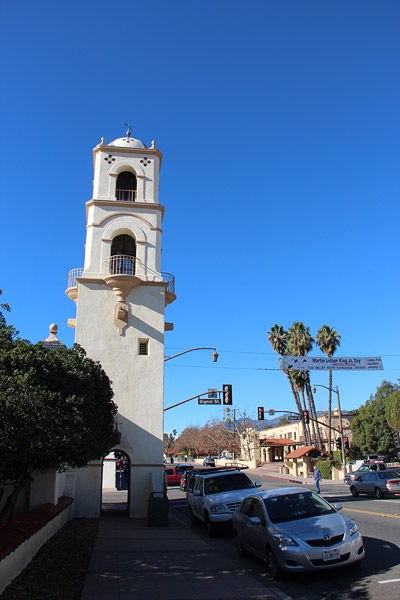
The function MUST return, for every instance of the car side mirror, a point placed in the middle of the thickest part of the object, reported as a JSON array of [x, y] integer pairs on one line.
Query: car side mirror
[[197, 493], [255, 520], [258, 484], [338, 506]]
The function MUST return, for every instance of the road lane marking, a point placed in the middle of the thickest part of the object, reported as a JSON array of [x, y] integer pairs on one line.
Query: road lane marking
[[389, 581], [370, 512]]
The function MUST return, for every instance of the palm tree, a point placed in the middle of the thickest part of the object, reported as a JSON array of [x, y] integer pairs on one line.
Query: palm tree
[[299, 343], [277, 337], [299, 384], [328, 341]]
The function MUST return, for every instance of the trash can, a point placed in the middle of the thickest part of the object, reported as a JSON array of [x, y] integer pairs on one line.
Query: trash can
[[157, 510]]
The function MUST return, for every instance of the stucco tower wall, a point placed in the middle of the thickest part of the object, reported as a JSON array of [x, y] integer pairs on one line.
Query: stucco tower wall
[[137, 380]]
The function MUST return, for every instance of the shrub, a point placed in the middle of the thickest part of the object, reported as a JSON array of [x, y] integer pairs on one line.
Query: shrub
[[325, 468]]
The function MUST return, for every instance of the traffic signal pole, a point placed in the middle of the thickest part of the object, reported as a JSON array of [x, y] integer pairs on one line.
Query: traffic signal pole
[[340, 422], [226, 396]]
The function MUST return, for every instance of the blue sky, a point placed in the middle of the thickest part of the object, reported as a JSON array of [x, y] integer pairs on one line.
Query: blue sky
[[279, 125]]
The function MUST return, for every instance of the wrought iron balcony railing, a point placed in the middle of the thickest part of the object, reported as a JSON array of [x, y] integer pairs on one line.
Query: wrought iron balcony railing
[[122, 264], [72, 275], [126, 195]]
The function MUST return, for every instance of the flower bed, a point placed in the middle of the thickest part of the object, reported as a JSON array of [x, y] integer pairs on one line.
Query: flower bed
[[22, 538]]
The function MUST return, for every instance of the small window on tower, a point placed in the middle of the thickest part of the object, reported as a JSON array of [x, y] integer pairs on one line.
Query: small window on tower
[[143, 347]]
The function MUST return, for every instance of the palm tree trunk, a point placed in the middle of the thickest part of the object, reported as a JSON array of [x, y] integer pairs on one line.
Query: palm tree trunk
[[306, 430], [317, 435], [330, 415], [304, 400]]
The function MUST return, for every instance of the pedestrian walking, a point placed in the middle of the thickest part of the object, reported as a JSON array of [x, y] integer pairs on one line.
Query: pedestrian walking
[[317, 478]]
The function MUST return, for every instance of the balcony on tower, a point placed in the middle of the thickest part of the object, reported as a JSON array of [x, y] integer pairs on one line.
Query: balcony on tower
[[122, 273]]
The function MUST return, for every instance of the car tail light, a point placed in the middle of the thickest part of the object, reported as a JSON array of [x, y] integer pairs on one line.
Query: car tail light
[[393, 481]]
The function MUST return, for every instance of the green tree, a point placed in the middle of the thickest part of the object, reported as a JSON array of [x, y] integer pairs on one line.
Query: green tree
[[282, 421], [169, 439], [371, 431], [277, 337], [56, 411], [392, 410], [328, 340]]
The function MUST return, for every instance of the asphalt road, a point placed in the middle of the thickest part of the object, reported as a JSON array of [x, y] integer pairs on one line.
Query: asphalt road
[[379, 523]]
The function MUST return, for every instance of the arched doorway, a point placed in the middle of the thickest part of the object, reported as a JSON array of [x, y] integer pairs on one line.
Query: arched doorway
[[115, 482], [123, 255]]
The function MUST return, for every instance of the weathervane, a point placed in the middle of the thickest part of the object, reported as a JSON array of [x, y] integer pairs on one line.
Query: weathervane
[[128, 133]]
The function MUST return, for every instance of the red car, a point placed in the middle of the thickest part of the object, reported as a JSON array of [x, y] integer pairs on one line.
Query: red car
[[174, 473]]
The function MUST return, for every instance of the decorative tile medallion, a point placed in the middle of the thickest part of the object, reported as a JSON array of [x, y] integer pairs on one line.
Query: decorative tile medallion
[[145, 161], [109, 159]]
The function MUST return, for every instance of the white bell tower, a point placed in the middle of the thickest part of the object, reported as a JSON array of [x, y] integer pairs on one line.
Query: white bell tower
[[121, 295]]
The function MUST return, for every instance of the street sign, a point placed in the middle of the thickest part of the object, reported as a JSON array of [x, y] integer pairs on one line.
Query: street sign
[[293, 417], [209, 401], [324, 363], [271, 412]]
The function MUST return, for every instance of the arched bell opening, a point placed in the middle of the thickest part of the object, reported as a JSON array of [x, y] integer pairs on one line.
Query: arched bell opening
[[123, 255], [115, 483], [126, 187]]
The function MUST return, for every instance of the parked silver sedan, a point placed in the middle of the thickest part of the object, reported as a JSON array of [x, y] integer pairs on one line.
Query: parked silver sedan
[[296, 531], [353, 476], [378, 484]]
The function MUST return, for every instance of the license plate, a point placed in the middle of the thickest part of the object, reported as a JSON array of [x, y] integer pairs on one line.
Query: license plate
[[330, 555]]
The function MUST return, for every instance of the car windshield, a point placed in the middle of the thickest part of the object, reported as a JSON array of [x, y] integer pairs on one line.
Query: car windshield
[[388, 475], [291, 507], [226, 483]]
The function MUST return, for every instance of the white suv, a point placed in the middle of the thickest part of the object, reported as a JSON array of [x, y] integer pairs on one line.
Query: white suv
[[214, 494]]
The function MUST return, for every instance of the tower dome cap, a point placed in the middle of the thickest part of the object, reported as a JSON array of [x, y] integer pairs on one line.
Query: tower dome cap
[[127, 141]]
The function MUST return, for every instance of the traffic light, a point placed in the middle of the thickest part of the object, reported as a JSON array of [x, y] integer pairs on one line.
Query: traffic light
[[306, 416], [339, 443], [227, 393], [346, 443], [260, 413]]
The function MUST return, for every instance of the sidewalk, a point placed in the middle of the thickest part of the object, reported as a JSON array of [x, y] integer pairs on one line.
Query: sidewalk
[[272, 470], [133, 561]]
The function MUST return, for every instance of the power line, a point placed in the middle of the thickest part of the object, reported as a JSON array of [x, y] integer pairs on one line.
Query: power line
[[277, 355]]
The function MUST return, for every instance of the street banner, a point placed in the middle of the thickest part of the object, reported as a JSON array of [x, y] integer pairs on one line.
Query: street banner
[[323, 363]]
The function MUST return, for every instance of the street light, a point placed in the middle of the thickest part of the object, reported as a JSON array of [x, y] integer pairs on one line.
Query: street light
[[336, 390], [214, 355]]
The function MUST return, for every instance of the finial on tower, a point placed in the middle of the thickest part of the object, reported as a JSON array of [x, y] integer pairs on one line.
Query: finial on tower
[[128, 133]]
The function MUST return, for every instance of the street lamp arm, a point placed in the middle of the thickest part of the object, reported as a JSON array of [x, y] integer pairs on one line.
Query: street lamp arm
[[326, 387], [214, 356]]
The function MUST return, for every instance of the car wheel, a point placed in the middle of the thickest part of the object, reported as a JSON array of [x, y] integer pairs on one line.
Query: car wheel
[[378, 493], [211, 529], [193, 519], [354, 492], [239, 546], [273, 564]]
